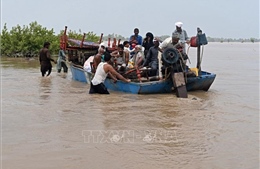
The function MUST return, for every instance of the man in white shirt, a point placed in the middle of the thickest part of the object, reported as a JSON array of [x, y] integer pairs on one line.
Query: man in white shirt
[[103, 69], [182, 35]]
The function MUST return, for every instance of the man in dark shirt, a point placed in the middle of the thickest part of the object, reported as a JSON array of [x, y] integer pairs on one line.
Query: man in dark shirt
[[45, 59], [152, 59]]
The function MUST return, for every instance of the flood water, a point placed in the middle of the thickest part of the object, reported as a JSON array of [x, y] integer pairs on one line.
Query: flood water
[[54, 123]]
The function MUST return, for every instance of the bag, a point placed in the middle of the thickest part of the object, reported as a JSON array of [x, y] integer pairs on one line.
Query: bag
[[193, 41], [202, 40]]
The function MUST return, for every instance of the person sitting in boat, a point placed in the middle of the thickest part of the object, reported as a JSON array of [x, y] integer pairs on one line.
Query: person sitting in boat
[[133, 42], [148, 43], [121, 57], [138, 57], [173, 42], [126, 46], [180, 65], [170, 42], [99, 57], [152, 59], [135, 39], [87, 65], [103, 69]]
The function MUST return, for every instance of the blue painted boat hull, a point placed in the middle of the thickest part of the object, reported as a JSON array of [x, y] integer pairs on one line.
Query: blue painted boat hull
[[201, 82], [78, 74], [140, 88]]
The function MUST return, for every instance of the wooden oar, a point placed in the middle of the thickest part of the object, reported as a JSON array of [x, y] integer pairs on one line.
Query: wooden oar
[[129, 71]]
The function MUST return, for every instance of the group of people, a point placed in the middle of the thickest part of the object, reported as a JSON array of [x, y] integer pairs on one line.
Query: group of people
[[144, 52], [135, 53]]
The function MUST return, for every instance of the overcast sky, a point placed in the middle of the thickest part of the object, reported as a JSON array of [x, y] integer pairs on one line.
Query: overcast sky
[[217, 18]]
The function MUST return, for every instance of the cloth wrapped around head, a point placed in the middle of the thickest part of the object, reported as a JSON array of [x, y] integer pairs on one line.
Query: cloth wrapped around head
[[155, 40], [179, 24], [138, 47], [149, 34]]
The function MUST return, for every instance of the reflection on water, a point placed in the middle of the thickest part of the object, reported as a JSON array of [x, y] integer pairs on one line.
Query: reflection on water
[[46, 121], [20, 63], [45, 88]]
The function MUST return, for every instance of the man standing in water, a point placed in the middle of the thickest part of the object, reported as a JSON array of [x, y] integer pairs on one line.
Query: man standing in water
[[45, 59], [97, 83], [61, 62]]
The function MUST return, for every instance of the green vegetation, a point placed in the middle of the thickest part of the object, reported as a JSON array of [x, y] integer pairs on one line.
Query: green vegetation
[[28, 40]]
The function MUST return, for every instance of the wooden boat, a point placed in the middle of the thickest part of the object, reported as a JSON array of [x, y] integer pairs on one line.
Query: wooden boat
[[78, 73], [78, 50], [201, 82]]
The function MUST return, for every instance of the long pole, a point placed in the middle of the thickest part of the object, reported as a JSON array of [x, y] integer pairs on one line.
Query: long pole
[[199, 32], [83, 38], [100, 40], [63, 39], [198, 58]]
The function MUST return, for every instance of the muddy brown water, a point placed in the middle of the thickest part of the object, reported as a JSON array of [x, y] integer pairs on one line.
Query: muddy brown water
[[54, 123]]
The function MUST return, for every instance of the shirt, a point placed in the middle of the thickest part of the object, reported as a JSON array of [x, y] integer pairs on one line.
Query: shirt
[[164, 44], [61, 58], [152, 56], [167, 43], [183, 36], [137, 56], [45, 57], [138, 38], [121, 59], [100, 75], [87, 66]]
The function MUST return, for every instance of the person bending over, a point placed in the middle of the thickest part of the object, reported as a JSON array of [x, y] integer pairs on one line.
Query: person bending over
[[103, 69]]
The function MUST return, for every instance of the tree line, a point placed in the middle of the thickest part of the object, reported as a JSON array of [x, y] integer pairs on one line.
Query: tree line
[[27, 40]]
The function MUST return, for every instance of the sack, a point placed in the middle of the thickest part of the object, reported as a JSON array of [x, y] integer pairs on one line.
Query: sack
[[202, 40], [193, 41]]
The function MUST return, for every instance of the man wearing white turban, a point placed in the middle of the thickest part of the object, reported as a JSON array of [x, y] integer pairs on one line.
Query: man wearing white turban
[[182, 35]]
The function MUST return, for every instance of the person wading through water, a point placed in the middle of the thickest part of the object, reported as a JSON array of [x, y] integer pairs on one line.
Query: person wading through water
[[61, 62], [45, 59]]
